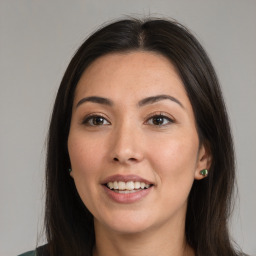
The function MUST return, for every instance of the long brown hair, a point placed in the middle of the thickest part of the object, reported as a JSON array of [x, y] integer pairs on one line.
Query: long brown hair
[[68, 223]]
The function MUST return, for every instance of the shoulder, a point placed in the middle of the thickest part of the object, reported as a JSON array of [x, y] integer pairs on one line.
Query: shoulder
[[40, 251], [30, 253]]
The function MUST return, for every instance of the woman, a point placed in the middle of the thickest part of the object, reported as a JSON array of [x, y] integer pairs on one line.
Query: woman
[[140, 156]]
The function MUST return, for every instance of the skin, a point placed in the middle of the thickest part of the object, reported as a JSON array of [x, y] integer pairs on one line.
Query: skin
[[128, 140]]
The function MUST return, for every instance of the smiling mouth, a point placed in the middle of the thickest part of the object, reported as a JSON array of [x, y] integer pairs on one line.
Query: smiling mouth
[[127, 187]]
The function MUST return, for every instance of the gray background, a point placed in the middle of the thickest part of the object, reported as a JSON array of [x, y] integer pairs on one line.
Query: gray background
[[37, 40]]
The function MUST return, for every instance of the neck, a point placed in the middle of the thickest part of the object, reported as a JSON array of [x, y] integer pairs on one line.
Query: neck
[[161, 242]]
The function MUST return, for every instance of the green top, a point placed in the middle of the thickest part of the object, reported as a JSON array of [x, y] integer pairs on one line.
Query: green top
[[41, 250], [30, 253]]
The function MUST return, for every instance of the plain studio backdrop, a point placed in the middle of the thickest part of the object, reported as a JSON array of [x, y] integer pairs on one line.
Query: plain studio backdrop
[[37, 41]]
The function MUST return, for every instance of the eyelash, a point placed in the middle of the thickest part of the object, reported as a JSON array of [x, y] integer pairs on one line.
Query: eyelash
[[92, 118], [162, 116]]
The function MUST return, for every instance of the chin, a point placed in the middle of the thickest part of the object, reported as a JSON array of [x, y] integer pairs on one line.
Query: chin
[[129, 228], [126, 223]]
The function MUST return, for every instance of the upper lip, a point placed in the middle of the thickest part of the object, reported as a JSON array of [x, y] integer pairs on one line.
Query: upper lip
[[125, 178]]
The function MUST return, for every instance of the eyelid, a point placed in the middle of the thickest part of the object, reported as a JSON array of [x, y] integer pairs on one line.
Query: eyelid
[[170, 118], [91, 115]]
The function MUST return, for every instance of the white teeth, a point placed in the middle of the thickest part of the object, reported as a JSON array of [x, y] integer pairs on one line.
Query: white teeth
[[136, 184], [115, 185], [129, 185], [121, 185], [124, 186], [111, 185]]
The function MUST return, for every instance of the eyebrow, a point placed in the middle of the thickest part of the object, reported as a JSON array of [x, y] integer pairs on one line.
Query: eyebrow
[[141, 103], [95, 99], [153, 99]]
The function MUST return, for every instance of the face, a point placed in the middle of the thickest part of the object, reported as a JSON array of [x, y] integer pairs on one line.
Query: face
[[133, 143]]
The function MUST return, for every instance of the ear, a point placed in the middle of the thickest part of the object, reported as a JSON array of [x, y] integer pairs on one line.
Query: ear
[[70, 172], [204, 160]]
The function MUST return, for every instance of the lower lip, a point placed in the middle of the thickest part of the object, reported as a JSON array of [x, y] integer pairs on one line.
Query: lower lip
[[129, 197]]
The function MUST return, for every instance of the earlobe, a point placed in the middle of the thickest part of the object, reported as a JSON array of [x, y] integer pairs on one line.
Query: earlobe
[[204, 172], [70, 172], [204, 161]]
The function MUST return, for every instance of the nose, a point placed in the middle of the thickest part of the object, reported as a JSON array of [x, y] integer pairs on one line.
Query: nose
[[127, 145]]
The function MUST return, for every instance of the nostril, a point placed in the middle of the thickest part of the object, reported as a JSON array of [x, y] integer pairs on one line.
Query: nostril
[[122, 160]]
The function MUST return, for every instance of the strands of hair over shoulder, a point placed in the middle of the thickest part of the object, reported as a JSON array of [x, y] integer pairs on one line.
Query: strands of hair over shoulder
[[69, 225]]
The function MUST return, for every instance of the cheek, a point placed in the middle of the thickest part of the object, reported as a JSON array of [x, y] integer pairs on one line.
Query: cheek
[[86, 158], [83, 156], [174, 161], [175, 167]]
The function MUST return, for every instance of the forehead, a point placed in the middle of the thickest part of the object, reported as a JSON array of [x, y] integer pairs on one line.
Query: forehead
[[133, 74]]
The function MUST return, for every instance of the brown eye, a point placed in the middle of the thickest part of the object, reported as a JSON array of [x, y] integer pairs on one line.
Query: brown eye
[[95, 121], [159, 120], [98, 120]]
